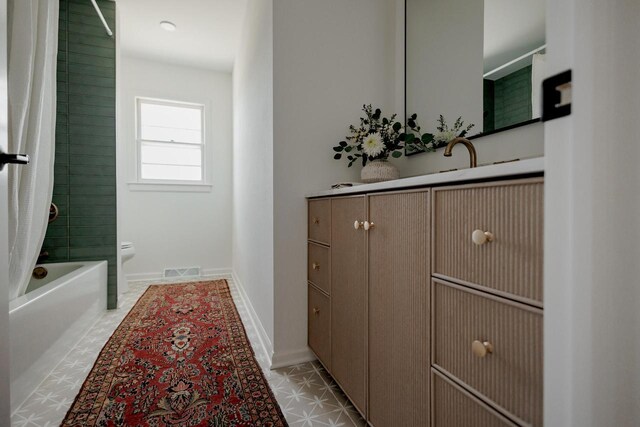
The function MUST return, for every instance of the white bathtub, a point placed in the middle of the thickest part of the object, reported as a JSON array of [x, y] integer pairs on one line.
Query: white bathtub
[[47, 321]]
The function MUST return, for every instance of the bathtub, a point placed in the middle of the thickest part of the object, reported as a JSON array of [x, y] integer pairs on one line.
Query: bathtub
[[48, 320]]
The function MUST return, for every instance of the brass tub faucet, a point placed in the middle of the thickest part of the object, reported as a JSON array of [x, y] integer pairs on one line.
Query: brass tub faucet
[[472, 151]]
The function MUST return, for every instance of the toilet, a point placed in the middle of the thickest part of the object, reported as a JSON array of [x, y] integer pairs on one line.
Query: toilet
[[128, 251]]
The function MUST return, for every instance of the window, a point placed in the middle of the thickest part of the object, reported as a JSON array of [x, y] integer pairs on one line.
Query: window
[[170, 138]]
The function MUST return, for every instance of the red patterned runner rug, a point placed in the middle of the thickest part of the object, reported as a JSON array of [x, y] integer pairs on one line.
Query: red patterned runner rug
[[181, 357]]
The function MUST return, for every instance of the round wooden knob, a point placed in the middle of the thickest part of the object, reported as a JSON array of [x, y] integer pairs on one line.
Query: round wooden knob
[[368, 225], [315, 266], [481, 348], [316, 311], [480, 237], [316, 220], [357, 224]]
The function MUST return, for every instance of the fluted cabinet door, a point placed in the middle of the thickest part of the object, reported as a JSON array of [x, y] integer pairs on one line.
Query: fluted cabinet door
[[398, 314], [348, 298]]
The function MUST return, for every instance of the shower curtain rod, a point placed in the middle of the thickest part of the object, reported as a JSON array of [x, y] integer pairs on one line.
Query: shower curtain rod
[[533, 52], [106, 26]]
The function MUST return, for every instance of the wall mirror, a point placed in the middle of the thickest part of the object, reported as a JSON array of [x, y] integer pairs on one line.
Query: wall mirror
[[481, 60]]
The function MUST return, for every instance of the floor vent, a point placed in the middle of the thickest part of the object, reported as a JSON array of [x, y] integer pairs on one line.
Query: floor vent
[[180, 273]]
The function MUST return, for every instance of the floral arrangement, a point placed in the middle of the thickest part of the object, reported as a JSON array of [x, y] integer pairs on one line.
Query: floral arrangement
[[378, 137], [446, 134]]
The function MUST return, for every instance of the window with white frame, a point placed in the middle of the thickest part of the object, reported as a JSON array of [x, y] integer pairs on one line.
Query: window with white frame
[[170, 139]]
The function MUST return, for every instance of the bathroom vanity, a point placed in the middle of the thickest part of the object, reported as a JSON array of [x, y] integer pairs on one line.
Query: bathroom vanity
[[425, 296]]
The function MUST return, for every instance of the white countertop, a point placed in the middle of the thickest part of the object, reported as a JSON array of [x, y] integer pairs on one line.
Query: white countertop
[[521, 167]]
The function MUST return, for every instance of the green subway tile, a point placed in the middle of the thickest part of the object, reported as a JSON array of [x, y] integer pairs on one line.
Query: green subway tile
[[80, 89], [95, 150], [86, 9], [102, 142], [78, 58], [55, 230], [75, 129], [92, 190], [91, 180], [91, 252], [55, 242], [98, 230], [86, 241], [60, 189], [58, 254], [60, 171], [62, 148], [79, 221], [88, 80], [97, 121], [78, 200], [61, 158], [79, 28], [93, 211], [92, 70], [90, 160], [92, 170], [94, 40], [91, 51], [93, 110], [79, 100]]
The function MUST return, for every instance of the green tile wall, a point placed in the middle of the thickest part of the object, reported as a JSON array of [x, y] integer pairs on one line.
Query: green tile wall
[[488, 116], [85, 164], [512, 100]]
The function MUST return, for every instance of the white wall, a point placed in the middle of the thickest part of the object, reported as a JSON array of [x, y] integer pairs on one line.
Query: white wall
[[592, 232], [519, 143], [4, 230], [176, 229], [445, 61], [253, 165], [330, 57]]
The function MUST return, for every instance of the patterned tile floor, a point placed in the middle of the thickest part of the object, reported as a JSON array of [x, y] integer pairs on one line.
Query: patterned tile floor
[[307, 395]]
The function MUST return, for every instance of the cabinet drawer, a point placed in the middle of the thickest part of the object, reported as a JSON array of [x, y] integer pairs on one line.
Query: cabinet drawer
[[320, 220], [320, 325], [454, 407], [511, 375], [318, 267], [513, 213]]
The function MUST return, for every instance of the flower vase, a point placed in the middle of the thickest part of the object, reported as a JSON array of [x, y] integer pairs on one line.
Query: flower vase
[[379, 170]]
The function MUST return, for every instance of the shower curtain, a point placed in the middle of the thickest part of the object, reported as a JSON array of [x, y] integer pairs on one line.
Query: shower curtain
[[33, 45], [538, 74]]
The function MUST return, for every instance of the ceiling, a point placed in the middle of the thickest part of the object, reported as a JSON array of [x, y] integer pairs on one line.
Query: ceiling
[[207, 35], [511, 28]]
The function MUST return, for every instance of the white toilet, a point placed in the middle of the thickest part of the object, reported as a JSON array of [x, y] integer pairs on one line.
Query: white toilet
[[128, 251]]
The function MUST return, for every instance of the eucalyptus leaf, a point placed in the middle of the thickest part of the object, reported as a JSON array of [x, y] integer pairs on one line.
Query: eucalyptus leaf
[[337, 156], [396, 154], [338, 149], [427, 138]]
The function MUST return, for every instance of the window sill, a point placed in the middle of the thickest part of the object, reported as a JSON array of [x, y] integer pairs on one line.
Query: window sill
[[170, 187]]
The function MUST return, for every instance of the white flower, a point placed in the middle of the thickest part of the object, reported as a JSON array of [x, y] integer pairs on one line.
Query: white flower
[[444, 136], [373, 145]]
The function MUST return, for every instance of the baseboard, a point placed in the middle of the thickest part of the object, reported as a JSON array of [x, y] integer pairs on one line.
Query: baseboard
[[265, 342], [206, 273], [290, 358]]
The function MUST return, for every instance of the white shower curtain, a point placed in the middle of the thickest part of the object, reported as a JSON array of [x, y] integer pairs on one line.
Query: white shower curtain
[[33, 45], [538, 74]]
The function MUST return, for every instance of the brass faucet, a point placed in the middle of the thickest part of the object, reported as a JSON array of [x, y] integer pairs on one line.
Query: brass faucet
[[468, 144]]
